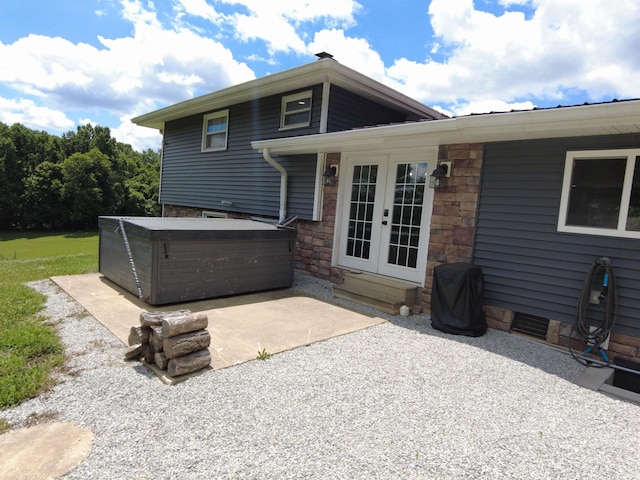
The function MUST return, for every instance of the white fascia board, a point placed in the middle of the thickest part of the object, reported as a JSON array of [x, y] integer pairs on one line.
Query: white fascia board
[[363, 138], [567, 117]]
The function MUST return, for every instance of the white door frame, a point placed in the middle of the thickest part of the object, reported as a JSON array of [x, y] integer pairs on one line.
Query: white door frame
[[385, 185]]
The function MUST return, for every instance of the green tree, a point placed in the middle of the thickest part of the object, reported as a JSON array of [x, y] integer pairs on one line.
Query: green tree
[[21, 151], [10, 180], [87, 137], [44, 197], [51, 182], [143, 185], [87, 187]]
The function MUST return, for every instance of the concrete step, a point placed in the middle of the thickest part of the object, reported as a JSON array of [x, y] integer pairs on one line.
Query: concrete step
[[383, 293]]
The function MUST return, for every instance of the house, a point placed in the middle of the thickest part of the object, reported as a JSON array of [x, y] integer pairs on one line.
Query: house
[[208, 162], [533, 197]]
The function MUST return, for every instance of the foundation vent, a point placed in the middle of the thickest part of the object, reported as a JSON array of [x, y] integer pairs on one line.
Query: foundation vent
[[530, 325]]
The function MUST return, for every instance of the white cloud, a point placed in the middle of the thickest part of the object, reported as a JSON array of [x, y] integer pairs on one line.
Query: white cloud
[[508, 3], [199, 8], [485, 106], [355, 53], [341, 12], [279, 34], [565, 47], [277, 22], [39, 64], [26, 112], [166, 65], [140, 138]]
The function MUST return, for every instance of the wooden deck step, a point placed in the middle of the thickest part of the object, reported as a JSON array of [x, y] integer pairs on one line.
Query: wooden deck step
[[383, 293]]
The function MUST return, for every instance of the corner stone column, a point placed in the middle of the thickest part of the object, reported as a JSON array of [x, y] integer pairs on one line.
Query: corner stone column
[[453, 219]]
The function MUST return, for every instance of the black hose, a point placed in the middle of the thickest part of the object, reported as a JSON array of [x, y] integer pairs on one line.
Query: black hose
[[593, 336]]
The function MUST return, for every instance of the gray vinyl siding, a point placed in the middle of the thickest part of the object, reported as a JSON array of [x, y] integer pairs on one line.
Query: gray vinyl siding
[[238, 174], [348, 110], [301, 170], [529, 267]]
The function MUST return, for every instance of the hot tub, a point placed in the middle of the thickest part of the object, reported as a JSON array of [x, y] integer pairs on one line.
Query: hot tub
[[172, 260]]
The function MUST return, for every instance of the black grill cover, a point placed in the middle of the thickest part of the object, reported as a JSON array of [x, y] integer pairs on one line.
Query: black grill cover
[[457, 298]]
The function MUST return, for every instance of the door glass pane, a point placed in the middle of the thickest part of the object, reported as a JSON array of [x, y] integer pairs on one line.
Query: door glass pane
[[393, 255], [350, 247], [416, 216], [406, 216], [365, 249], [415, 237], [412, 261], [363, 192], [596, 192], [633, 220]]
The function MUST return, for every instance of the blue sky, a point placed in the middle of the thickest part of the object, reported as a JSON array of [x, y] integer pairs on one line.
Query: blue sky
[[66, 63]]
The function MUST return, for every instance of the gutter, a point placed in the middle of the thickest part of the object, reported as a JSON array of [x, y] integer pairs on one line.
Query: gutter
[[283, 183]]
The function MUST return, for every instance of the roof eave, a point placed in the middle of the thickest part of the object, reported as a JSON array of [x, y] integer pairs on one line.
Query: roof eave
[[602, 119], [300, 77]]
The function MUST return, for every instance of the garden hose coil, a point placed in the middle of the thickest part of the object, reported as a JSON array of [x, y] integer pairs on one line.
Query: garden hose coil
[[592, 333]]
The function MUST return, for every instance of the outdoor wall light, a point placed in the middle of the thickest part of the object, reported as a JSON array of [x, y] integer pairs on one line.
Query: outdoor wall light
[[438, 174], [329, 176]]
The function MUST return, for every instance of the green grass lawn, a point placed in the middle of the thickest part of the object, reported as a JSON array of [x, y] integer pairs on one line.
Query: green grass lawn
[[29, 348], [21, 245]]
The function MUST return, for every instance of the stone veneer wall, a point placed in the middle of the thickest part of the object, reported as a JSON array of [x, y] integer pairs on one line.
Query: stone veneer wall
[[453, 219]]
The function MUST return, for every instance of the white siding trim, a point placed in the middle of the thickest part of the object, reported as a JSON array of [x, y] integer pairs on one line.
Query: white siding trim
[[324, 109], [318, 194]]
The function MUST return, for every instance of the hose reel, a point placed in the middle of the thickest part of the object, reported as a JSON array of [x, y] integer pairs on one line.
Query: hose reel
[[587, 329]]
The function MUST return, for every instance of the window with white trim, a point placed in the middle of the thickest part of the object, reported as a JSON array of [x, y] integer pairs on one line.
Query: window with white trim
[[296, 110], [215, 128], [601, 193]]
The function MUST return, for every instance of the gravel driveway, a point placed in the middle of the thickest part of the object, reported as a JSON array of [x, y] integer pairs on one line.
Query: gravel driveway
[[399, 400]]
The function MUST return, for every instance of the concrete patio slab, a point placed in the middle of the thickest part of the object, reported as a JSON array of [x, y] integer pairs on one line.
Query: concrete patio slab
[[44, 451], [240, 326]]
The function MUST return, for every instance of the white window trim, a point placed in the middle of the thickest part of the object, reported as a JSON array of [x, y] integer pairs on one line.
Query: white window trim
[[205, 121], [318, 194], [620, 231], [292, 98]]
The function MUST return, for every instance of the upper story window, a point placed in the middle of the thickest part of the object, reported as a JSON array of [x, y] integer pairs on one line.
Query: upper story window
[[296, 110], [601, 193], [214, 131]]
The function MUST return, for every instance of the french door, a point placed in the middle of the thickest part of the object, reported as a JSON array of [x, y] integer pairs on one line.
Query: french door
[[386, 212]]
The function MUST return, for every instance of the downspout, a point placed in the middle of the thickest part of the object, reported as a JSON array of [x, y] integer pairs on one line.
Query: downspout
[[161, 173], [283, 183]]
